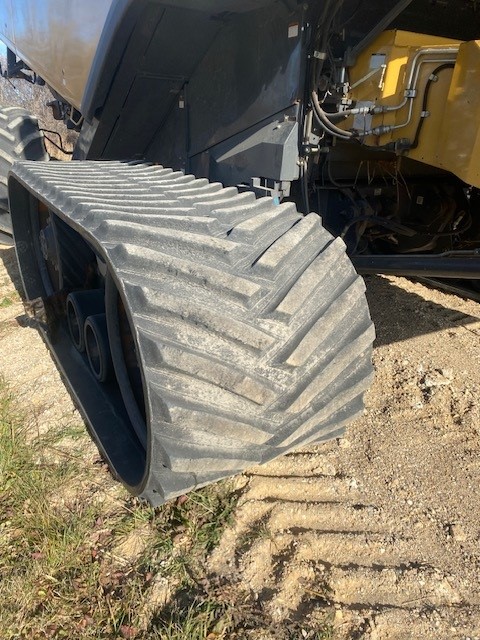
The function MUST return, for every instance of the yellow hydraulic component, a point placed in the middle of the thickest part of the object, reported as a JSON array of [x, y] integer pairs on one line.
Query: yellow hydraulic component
[[391, 74], [423, 93]]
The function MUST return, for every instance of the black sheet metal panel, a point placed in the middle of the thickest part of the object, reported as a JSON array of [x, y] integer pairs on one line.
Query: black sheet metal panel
[[268, 150], [164, 48], [457, 19], [251, 71], [251, 78], [191, 79], [149, 101]]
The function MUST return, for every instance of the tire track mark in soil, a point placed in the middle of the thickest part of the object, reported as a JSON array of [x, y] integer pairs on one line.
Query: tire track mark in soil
[[378, 532]]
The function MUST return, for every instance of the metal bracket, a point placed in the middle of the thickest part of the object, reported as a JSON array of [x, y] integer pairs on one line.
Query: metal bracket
[[265, 187]]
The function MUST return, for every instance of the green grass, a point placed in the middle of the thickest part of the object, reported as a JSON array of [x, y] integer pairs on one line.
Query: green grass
[[60, 576], [197, 621], [80, 558], [9, 300]]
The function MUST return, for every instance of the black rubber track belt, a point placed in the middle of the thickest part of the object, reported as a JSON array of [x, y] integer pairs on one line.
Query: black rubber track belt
[[250, 322], [20, 139]]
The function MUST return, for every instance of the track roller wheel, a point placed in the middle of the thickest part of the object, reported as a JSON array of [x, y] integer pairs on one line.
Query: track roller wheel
[[238, 329], [81, 305], [98, 348]]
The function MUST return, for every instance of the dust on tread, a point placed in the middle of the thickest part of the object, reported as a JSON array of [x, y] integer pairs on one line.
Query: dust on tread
[[254, 253]]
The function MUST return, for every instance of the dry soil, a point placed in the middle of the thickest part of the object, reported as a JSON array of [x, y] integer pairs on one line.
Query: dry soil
[[377, 532]]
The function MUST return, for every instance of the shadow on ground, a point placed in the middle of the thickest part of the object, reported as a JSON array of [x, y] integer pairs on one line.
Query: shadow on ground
[[9, 259], [407, 314]]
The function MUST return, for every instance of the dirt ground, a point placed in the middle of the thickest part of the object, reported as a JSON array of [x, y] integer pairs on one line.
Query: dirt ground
[[377, 532]]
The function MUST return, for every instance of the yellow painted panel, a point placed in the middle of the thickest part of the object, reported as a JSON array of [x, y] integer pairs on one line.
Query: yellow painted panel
[[458, 149], [450, 136], [399, 49]]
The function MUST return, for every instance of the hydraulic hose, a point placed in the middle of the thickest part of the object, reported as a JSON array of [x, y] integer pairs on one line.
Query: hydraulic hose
[[349, 112], [325, 122], [448, 65]]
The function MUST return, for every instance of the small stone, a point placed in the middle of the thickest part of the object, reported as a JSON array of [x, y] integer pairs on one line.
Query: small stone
[[437, 378], [457, 532]]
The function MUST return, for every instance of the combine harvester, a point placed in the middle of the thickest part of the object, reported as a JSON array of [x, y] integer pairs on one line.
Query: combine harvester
[[239, 162]]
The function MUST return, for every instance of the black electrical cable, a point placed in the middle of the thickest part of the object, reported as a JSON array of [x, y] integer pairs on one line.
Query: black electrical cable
[[353, 15], [383, 222], [448, 234], [57, 146], [322, 38], [426, 94], [340, 185], [60, 146], [318, 46]]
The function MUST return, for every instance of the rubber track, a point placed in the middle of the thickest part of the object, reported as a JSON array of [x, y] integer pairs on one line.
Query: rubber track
[[20, 139], [251, 324]]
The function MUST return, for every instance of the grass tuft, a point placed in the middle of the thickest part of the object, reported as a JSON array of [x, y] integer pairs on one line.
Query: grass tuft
[[81, 558], [201, 619], [9, 300]]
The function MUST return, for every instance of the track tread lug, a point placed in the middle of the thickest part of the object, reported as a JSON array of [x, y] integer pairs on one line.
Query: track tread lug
[[251, 325]]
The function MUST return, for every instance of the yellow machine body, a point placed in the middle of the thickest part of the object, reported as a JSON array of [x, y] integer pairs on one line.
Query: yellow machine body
[[457, 144], [392, 76]]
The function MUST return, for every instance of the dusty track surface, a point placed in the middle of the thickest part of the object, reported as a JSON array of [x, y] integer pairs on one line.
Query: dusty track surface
[[377, 533]]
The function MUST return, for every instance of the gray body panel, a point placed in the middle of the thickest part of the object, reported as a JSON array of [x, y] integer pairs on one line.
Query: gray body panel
[[56, 38], [199, 85], [172, 80]]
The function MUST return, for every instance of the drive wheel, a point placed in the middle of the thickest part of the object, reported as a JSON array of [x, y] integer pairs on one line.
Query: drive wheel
[[20, 139]]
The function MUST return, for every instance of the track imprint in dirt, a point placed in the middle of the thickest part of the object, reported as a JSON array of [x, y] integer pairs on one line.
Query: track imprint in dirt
[[304, 546], [376, 534]]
